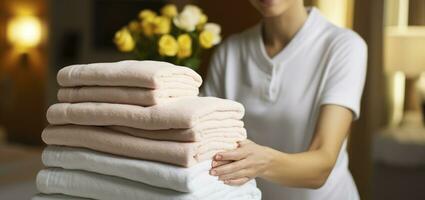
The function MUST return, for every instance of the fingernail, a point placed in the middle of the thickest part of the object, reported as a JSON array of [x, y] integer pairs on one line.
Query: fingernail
[[214, 163], [218, 157], [213, 172]]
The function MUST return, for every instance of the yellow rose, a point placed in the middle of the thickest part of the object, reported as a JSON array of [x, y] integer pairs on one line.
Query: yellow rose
[[215, 29], [193, 8], [203, 19], [206, 39], [167, 45], [185, 46], [162, 25], [134, 26], [147, 14], [124, 40], [188, 18], [148, 26], [169, 10]]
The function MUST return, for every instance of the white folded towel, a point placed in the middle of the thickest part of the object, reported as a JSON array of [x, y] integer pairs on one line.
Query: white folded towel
[[67, 197], [56, 197], [152, 173], [97, 186]]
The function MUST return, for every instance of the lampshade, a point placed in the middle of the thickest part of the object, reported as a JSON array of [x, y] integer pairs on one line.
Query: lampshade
[[339, 12], [404, 49], [24, 31]]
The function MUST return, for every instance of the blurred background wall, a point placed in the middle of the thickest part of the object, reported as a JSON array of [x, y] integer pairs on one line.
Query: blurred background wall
[[23, 80]]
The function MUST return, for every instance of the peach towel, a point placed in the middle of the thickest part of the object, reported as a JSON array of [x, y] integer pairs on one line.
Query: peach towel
[[184, 113], [206, 130], [106, 140], [123, 95], [130, 73]]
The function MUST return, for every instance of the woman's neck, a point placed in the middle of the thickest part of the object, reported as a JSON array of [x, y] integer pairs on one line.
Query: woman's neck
[[278, 31]]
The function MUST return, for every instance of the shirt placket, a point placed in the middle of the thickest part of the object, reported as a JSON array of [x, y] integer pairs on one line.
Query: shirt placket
[[271, 88]]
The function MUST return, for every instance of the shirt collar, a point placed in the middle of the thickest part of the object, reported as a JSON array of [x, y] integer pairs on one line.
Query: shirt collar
[[290, 49]]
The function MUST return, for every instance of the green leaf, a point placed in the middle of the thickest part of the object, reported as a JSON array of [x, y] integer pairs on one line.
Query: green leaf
[[193, 63]]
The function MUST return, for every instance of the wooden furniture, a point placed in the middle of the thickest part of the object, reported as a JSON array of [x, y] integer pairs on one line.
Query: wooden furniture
[[399, 164]]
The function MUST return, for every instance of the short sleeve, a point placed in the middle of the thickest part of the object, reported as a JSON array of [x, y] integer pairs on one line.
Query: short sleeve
[[214, 82], [347, 73]]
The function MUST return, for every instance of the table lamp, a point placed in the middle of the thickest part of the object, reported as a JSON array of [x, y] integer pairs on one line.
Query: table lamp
[[404, 48]]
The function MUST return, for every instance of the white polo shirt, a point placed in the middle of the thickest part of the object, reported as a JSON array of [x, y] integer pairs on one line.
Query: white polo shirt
[[322, 64]]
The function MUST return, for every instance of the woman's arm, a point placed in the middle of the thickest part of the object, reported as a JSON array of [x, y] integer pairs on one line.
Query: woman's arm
[[308, 169]]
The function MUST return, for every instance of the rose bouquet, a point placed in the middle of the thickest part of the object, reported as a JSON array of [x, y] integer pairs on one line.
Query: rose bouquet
[[173, 37]]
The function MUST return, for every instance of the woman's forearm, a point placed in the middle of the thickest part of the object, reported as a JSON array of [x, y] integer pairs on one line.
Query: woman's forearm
[[308, 169], [311, 169]]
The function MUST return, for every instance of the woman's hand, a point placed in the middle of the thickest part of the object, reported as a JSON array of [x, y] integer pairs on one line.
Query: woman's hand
[[308, 169], [239, 166]]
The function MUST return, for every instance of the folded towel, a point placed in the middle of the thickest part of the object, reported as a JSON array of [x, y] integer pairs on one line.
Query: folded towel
[[67, 197], [124, 95], [206, 130], [184, 113], [153, 173], [56, 197], [106, 140], [92, 185], [145, 74]]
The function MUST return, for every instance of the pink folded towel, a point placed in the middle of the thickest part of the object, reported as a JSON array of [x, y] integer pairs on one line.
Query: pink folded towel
[[204, 131], [130, 73], [106, 140], [187, 112], [124, 95]]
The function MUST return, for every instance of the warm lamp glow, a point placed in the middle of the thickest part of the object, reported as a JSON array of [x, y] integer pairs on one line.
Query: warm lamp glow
[[338, 12], [398, 98], [404, 49], [24, 32]]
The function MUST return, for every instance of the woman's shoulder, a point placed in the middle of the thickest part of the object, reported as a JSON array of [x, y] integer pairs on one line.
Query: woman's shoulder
[[346, 48], [331, 33], [339, 37]]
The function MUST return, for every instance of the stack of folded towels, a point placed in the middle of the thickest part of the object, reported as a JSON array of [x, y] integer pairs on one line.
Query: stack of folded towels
[[137, 130]]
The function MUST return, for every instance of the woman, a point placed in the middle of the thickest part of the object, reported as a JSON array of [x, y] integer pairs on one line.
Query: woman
[[300, 79]]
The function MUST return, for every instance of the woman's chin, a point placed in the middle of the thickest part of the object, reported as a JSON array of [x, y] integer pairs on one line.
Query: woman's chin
[[269, 12], [272, 8], [267, 3]]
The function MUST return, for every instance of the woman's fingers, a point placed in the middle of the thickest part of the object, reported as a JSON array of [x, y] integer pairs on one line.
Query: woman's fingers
[[236, 182], [235, 175], [229, 168], [246, 162], [217, 163], [237, 154], [244, 142]]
